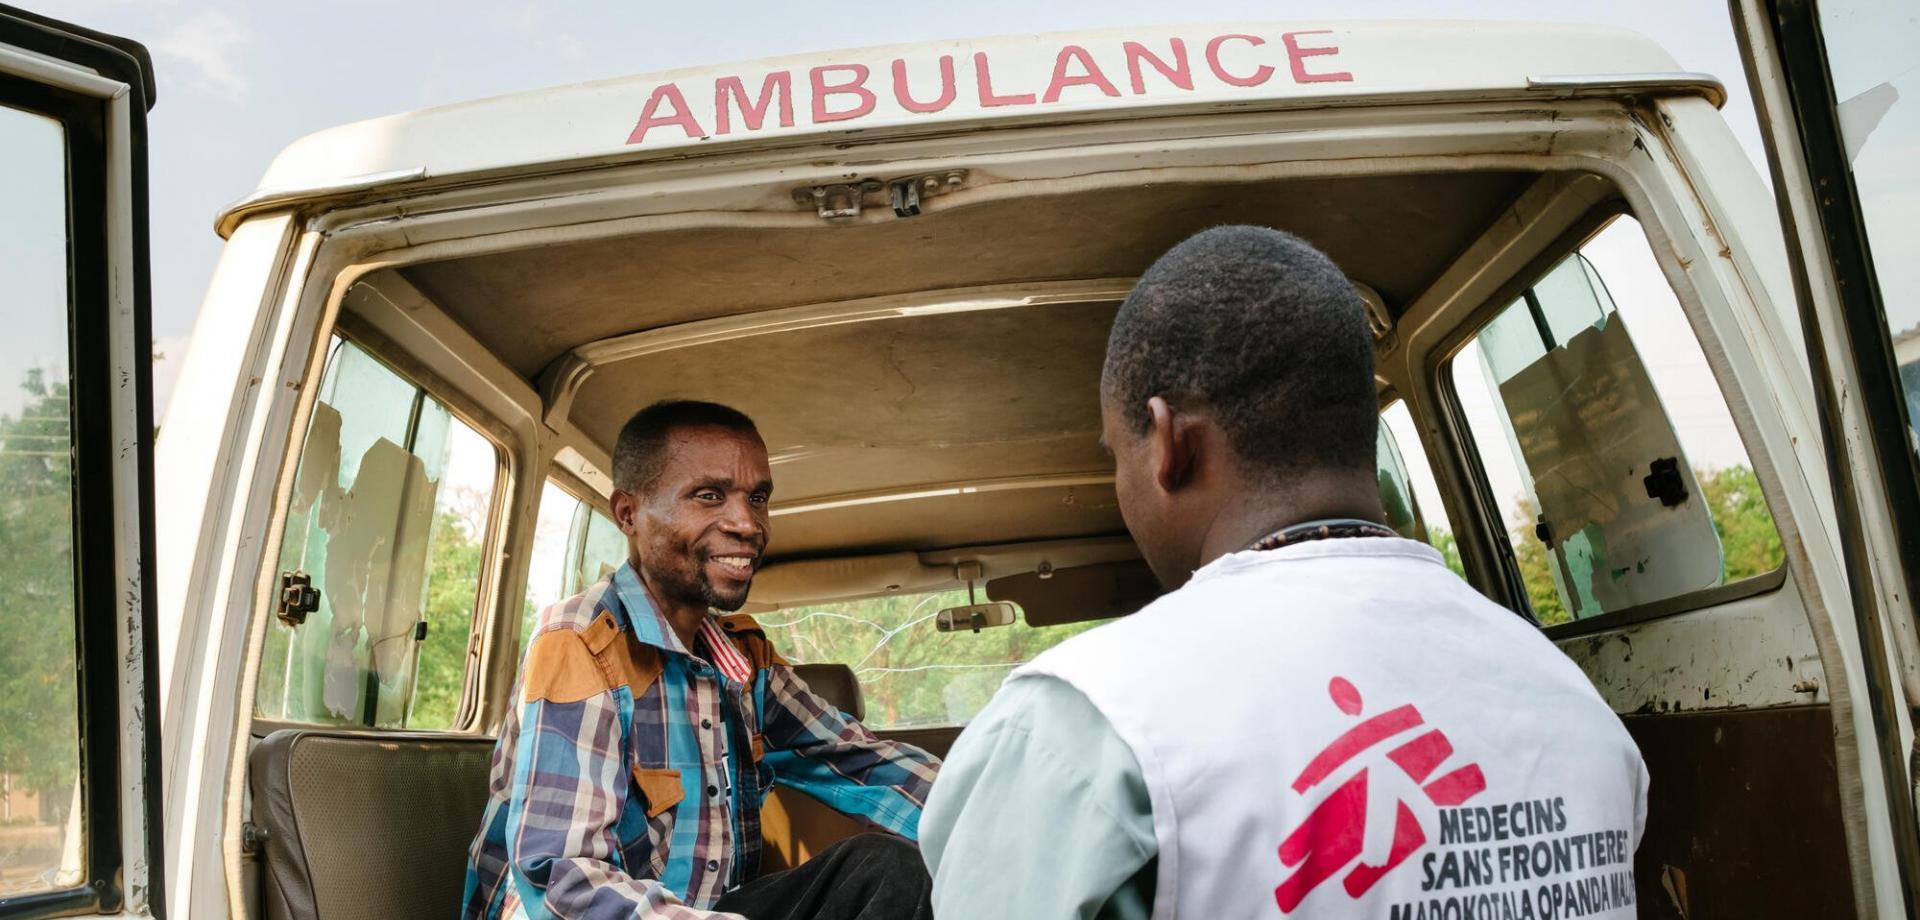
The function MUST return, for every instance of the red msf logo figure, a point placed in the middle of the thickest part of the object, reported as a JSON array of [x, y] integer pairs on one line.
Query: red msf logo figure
[[1333, 836]]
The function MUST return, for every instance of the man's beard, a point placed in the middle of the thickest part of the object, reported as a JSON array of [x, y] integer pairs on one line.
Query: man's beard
[[714, 601], [699, 589]]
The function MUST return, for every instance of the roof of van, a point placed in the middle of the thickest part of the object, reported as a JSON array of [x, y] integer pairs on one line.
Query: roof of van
[[971, 82]]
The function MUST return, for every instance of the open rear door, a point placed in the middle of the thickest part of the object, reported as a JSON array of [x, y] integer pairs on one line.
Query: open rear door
[[1838, 93], [79, 785]]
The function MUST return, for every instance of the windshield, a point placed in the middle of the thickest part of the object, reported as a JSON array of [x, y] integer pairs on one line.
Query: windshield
[[910, 673]]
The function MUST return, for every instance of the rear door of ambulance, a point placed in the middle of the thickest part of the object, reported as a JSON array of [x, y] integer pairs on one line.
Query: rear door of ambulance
[[79, 785], [1838, 94]]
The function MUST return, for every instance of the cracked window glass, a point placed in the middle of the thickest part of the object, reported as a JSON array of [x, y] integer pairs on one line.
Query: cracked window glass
[[389, 513], [911, 674], [40, 845], [1606, 442]]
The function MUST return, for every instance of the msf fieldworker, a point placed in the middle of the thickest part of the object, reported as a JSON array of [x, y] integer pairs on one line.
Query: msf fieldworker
[[1319, 719], [647, 729]]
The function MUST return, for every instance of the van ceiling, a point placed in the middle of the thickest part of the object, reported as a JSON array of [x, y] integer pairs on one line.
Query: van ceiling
[[531, 306], [926, 402]]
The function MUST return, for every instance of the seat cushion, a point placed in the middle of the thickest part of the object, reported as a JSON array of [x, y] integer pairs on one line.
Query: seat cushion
[[836, 684], [367, 824]]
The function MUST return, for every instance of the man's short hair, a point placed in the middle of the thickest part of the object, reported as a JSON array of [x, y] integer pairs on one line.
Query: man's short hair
[[1263, 331], [640, 453]]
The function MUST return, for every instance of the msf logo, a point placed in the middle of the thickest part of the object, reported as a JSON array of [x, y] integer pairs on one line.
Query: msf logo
[[1334, 834]]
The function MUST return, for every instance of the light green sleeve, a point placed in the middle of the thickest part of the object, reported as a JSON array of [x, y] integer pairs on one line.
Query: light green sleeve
[[1040, 811]]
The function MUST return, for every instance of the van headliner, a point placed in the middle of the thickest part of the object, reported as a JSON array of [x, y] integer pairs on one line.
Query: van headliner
[[966, 83]]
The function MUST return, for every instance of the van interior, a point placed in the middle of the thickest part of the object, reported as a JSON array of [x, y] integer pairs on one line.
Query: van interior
[[1555, 419]]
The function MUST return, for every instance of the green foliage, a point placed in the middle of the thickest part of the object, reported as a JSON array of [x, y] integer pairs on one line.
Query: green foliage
[[1536, 572], [1749, 543], [909, 672], [1443, 540], [39, 702], [453, 574]]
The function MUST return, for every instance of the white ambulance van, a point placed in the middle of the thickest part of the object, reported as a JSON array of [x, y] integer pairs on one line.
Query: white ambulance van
[[1634, 391]]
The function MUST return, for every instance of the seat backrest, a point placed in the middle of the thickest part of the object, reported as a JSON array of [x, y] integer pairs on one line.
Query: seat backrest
[[836, 684], [367, 824]]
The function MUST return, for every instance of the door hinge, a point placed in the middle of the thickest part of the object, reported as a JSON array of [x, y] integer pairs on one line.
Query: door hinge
[[298, 597], [844, 200]]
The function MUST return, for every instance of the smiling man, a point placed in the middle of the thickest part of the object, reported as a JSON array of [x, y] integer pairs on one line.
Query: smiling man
[[648, 727]]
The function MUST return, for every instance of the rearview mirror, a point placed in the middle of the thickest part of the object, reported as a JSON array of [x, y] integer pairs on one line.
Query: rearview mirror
[[975, 616]]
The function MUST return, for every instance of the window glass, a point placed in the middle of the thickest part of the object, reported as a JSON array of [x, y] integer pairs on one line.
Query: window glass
[[602, 549], [1606, 441], [910, 673], [39, 692], [1869, 52], [547, 563], [390, 509], [1408, 492], [574, 545]]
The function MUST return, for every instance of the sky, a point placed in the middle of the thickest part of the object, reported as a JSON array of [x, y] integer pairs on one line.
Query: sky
[[238, 81]]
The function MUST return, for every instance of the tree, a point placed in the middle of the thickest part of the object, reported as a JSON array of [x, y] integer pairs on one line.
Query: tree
[[909, 671], [1749, 542], [39, 699], [453, 576]]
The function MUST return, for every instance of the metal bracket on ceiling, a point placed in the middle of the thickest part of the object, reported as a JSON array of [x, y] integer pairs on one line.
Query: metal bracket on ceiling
[[844, 200]]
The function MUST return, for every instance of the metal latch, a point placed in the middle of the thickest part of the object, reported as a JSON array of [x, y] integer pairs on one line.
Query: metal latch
[[843, 200], [905, 194], [298, 597], [837, 202], [1665, 483]]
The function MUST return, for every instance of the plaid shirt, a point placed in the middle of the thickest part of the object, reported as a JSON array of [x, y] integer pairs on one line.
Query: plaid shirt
[[628, 779]]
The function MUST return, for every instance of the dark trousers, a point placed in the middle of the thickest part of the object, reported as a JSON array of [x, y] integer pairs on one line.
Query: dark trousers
[[864, 877]]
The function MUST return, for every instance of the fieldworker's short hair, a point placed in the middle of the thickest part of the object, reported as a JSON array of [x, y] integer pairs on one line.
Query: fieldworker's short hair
[[1263, 331]]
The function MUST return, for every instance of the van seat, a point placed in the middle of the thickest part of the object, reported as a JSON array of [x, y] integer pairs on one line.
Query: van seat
[[797, 826], [836, 684], [367, 824]]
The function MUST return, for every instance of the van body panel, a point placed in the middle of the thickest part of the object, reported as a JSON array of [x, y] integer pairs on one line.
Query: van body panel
[[236, 455], [964, 85], [1867, 435]]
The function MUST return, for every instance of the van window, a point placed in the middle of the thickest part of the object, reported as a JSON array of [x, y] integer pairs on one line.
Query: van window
[[574, 545], [1408, 493], [1607, 444], [911, 674], [391, 505], [39, 690]]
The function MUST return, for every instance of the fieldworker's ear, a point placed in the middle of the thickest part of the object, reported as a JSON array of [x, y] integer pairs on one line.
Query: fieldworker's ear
[[626, 511], [1171, 444]]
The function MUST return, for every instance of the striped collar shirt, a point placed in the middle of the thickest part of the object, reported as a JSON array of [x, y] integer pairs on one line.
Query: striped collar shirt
[[629, 775]]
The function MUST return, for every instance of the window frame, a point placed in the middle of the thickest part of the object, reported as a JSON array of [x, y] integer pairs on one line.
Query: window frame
[[1459, 432], [94, 379], [492, 538]]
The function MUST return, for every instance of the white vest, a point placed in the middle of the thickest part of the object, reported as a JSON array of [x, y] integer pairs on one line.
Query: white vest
[[1344, 728]]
